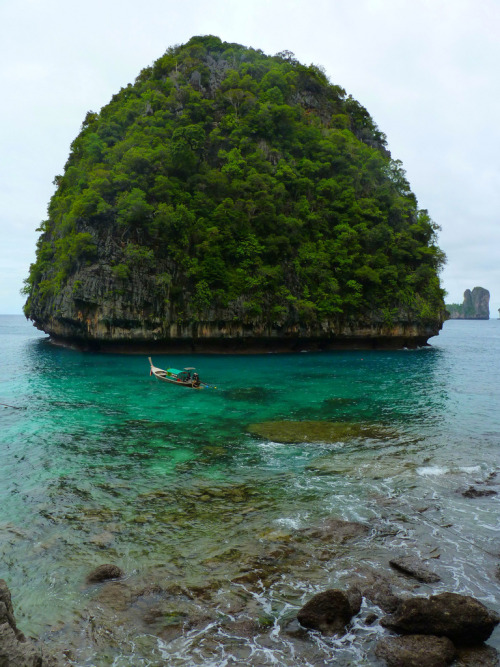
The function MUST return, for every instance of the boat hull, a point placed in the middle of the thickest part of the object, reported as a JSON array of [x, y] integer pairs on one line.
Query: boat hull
[[164, 376]]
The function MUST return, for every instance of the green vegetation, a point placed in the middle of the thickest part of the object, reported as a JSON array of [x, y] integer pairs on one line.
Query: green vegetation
[[240, 178]]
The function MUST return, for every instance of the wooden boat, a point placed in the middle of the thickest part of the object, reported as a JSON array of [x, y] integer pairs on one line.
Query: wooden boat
[[182, 378]]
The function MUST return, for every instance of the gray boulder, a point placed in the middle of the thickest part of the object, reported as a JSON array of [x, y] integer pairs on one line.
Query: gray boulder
[[416, 651], [461, 618], [330, 611]]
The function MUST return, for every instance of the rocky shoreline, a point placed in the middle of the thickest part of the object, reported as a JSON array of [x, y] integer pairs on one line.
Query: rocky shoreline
[[15, 649], [409, 623]]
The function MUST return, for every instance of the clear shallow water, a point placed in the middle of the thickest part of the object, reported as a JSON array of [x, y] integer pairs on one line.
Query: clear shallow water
[[211, 521]]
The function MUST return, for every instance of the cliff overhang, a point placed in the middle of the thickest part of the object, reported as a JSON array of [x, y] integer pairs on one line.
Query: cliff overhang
[[96, 335]]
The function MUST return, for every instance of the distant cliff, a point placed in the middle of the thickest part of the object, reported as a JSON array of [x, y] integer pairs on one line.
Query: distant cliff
[[228, 198], [476, 306]]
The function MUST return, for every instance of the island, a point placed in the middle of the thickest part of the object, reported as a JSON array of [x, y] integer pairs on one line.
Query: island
[[228, 200], [476, 306]]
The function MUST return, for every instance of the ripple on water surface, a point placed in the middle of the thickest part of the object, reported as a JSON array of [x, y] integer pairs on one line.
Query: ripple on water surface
[[221, 505]]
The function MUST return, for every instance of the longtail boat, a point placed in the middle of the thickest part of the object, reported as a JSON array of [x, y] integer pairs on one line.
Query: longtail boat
[[183, 378]]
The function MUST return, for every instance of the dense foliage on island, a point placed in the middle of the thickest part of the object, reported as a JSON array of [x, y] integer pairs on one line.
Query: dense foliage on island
[[234, 182]]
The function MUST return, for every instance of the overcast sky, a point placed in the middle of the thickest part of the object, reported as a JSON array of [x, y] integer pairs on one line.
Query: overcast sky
[[426, 70]]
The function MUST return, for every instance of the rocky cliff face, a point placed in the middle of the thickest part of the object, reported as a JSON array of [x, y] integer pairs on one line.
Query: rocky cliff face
[[476, 306], [96, 311]]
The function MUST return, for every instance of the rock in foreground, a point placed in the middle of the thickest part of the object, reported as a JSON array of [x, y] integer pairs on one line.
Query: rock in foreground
[[461, 618], [416, 651], [15, 649], [330, 611]]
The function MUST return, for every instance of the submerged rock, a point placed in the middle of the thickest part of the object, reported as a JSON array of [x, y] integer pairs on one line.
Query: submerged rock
[[115, 595], [103, 573], [461, 618], [414, 568], [472, 492], [289, 432], [330, 611], [416, 651], [337, 531]]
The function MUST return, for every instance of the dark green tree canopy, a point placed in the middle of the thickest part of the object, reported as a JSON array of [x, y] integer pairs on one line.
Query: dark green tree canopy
[[239, 178]]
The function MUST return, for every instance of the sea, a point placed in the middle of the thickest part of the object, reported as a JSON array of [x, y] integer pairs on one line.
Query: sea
[[220, 505]]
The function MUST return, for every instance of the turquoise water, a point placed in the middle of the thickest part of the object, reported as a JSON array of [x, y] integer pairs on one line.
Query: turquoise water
[[210, 514]]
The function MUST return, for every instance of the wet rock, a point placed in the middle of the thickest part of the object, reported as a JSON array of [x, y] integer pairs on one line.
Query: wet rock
[[461, 618], [231, 603], [15, 649], [416, 651], [337, 531], [472, 492], [293, 629], [477, 656], [246, 628], [251, 577], [104, 539], [148, 591], [371, 618], [104, 573], [330, 611], [414, 568], [179, 622], [153, 615], [288, 432], [171, 632], [376, 588], [7, 610], [383, 596], [115, 595], [267, 567], [331, 464]]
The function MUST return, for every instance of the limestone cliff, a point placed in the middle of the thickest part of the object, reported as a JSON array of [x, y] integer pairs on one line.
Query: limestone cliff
[[476, 306], [233, 200]]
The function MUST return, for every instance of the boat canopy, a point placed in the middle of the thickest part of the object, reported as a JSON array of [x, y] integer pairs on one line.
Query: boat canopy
[[175, 371]]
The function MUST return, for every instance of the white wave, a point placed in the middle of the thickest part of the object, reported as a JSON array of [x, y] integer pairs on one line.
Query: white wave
[[288, 522], [432, 471]]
